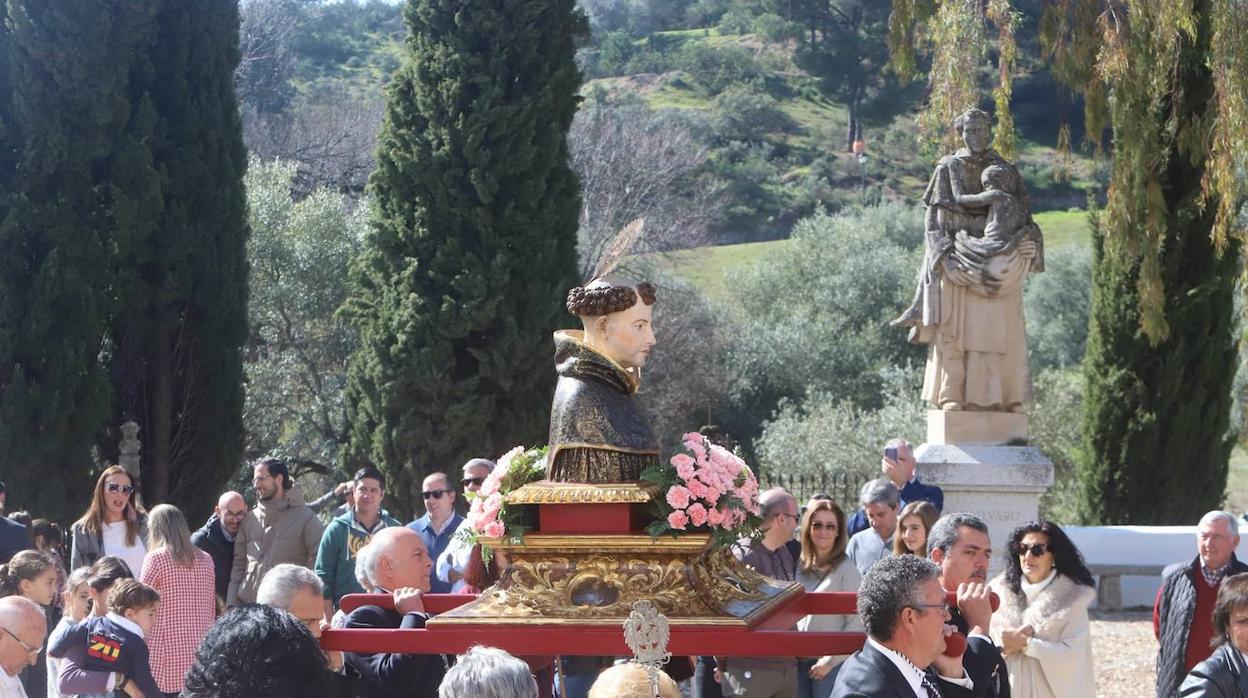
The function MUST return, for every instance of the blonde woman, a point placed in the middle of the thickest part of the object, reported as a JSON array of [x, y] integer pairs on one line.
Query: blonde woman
[[913, 524], [185, 578], [823, 566]]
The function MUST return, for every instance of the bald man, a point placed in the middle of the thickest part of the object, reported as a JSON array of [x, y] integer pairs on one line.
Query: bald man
[[216, 537], [22, 631], [398, 563]]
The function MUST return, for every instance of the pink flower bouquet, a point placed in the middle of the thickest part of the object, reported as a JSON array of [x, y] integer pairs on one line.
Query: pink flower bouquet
[[706, 488], [488, 513]]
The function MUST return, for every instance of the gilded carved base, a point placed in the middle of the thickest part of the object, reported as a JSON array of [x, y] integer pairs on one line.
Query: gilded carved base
[[595, 579], [550, 492]]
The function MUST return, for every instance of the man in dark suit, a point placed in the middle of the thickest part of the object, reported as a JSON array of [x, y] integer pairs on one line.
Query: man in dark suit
[[904, 610], [898, 465], [959, 544], [397, 563]]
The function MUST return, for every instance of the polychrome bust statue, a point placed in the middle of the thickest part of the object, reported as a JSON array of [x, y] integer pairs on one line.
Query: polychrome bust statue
[[598, 431]]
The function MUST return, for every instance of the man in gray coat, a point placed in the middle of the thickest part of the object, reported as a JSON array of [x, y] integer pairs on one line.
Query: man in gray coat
[[282, 528]]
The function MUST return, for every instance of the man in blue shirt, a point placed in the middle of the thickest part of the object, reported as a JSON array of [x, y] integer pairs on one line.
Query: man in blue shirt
[[901, 471], [438, 525]]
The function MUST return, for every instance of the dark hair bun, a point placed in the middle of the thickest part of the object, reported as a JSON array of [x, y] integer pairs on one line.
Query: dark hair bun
[[604, 298]]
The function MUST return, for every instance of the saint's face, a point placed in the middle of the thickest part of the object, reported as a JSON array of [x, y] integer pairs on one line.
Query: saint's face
[[627, 336], [977, 134]]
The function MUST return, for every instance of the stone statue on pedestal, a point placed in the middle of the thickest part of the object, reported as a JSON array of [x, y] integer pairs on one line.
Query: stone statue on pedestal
[[981, 243], [598, 431]]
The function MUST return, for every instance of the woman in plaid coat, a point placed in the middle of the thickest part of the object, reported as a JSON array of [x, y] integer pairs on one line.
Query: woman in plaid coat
[[183, 574]]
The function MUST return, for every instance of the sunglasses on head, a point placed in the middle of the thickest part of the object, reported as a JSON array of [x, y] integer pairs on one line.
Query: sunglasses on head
[[434, 494], [115, 487], [1037, 550], [473, 481]]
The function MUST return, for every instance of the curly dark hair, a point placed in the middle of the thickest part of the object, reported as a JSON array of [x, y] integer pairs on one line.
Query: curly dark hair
[[256, 650], [1066, 557], [603, 297]]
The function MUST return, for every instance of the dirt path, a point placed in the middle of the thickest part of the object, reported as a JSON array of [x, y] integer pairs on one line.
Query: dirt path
[[1125, 654]]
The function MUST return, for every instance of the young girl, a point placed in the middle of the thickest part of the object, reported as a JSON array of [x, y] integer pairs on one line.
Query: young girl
[[913, 523], [77, 603], [32, 574]]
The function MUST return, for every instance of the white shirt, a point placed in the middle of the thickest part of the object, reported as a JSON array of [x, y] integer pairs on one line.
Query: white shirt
[[912, 674], [455, 558], [11, 686], [115, 545]]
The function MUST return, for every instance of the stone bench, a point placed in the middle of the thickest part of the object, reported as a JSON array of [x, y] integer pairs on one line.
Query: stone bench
[[1109, 590]]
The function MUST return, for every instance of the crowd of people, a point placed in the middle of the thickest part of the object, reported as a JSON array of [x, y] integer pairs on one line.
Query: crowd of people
[[138, 605]]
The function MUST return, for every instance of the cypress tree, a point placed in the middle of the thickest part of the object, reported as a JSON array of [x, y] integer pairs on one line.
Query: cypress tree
[[182, 284], [472, 242], [68, 159], [1157, 411]]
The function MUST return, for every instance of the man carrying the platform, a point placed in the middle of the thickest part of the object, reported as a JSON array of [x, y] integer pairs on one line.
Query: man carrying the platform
[[399, 564], [959, 544], [904, 609], [765, 677]]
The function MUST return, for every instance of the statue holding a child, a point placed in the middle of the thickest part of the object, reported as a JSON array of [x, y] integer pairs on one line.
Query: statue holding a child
[[980, 244]]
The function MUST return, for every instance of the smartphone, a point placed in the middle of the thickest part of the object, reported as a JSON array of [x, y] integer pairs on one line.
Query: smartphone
[[891, 453]]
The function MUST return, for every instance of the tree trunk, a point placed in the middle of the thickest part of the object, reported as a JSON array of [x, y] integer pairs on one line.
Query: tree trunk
[[158, 451]]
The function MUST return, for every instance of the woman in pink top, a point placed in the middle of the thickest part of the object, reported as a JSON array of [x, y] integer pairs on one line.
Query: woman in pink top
[[183, 574]]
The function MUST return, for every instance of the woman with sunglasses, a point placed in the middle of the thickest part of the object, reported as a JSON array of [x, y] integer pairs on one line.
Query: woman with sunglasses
[[114, 524], [823, 566], [1042, 625]]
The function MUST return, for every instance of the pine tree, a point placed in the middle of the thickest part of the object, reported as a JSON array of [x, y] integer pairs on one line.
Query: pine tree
[[182, 283], [69, 160], [472, 242]]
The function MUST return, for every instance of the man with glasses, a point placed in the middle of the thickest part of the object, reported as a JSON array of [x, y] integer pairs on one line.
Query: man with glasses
[[452, 562], [282, 528], [765, 677], [903, 607], [298, 591], [959, 544], [345, 535], [216, 537], [438, 525], [23, 628]]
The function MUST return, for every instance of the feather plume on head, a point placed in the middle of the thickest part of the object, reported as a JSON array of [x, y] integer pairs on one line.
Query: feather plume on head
[[603, 294]]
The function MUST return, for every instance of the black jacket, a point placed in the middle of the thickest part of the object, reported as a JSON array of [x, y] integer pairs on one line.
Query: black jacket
[[983, 663], [211, 539], [1222, 675], [14, 538], [391, 674], [869, 674], [1175, 605]]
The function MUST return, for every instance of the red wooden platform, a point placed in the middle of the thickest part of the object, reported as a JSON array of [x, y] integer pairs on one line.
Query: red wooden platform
[[772, 637]]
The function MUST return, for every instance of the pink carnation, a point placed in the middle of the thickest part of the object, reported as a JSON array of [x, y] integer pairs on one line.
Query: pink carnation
[[712, 495], [678, 497], [684, 466], [494, 529], [677, 520], [697, 514], [492, 505], [490, 486], [715, 517], [695, 443], [697, 489]]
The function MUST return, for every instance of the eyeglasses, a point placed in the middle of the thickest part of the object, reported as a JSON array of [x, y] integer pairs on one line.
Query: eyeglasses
[[114, 487], [1037, 550], [942, 607], [472, 481], [820, 526], [435, 494], [32, 651]]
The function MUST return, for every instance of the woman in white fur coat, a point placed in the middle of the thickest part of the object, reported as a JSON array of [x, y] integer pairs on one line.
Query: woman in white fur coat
[[1042, 625]]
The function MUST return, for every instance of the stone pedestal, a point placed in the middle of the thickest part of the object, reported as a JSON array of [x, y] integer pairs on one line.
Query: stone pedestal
[[991, 473]]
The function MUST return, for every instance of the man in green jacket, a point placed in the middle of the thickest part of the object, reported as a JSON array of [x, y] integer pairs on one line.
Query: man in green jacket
[[345, 535]]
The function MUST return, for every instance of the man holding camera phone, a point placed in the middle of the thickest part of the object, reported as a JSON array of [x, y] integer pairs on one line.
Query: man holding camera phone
[[898, 466]]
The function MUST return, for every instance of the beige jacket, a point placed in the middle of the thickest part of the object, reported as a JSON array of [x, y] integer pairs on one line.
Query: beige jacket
[[1057, 662], [282, 530]]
